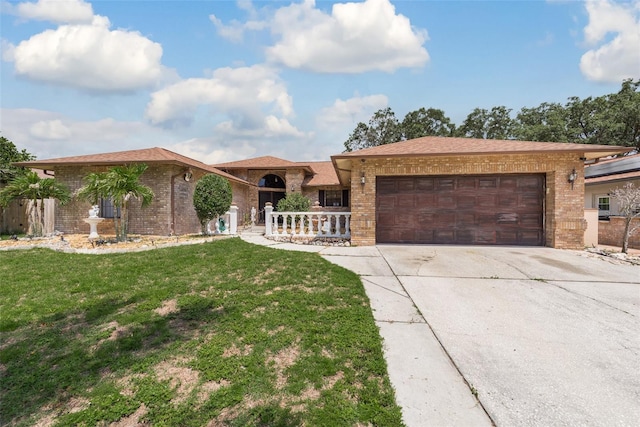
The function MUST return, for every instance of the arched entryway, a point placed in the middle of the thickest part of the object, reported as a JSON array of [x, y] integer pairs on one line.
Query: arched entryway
[[272, 189]]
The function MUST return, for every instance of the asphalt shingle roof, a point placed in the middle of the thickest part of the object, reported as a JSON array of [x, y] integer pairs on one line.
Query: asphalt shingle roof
[[154, 155], [264, 162], [324, 175], [445, 146]]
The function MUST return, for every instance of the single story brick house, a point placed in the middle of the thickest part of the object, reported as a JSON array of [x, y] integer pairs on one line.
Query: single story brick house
[[430, 190], [171, 176], [600, 180], [435, 190]]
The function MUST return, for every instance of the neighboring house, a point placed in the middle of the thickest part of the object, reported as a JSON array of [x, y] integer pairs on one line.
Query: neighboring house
[[603, 177], [600, 180], [171, 176], [274, 178], [469, 191]]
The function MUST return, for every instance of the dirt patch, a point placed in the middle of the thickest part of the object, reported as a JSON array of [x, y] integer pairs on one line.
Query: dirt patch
[[117, 332], [263, 277], [127, 384], [181, 378], [235, 351], [132, 420], [285, 358], [206, 389], [77, 404], [168, 307], [46, 421]]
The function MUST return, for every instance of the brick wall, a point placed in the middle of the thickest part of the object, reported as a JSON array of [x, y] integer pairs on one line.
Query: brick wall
[[564, 219], [291, 177], [155, 219], [611, 232]]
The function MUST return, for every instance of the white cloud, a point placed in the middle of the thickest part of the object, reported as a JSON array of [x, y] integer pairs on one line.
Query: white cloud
[[90, 57], [351, 111], [50, 134], [614, 33], [50, 129], [240, 92], [209, 151], [353, 38], [58, 11]]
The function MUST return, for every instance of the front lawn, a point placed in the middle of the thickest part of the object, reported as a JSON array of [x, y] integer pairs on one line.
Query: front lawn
[[222, 333]]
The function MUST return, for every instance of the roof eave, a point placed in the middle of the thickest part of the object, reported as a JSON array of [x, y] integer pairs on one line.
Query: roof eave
[[588, 154], [51, 166]]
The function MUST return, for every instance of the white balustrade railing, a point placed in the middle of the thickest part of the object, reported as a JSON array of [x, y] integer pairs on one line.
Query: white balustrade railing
[[307, 224]]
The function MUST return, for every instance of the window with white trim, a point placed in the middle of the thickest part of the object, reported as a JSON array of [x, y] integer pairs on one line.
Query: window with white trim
[[604, 207]]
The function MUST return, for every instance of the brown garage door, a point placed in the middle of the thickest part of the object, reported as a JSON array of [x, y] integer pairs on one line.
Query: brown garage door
[[482, 210]]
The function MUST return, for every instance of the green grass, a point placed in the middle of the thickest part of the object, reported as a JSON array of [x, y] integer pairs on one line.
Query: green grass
[[225, 331]]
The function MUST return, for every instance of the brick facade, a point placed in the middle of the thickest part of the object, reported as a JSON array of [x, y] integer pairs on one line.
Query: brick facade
[[293, 179], [563, 209], [170, 212], [611, 232]]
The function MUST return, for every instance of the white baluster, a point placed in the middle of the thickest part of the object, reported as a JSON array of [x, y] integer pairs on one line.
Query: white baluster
[[268, 220], [347, 225], [310, 225], [293, 225], [309, 220], [274, 224]]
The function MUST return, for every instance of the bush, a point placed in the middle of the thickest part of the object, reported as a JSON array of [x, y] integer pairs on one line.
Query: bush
[[294, 202], [211, 198]]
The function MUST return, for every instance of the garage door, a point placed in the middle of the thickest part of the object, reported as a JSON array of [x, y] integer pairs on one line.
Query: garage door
[[482, 210]]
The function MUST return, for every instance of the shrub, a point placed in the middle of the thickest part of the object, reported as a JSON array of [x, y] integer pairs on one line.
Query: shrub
[[211, 198], [294, 202]]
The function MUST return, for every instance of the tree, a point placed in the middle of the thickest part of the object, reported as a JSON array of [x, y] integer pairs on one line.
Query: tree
[[31, 187], [211, 198], [628, 198], [9, 153], [624, 107], [612, 119], [484, 124], [383, 128], [546, 122], [587, 120], [120, 184], [426, 122]]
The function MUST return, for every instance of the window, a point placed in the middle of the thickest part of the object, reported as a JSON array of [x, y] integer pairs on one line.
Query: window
[[107, 209], [271, 181], [604, 207], [333, 198]]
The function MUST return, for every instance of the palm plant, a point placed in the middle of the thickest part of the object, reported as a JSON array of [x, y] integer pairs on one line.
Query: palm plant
[[120, 183], [35, 189], [93, 189]]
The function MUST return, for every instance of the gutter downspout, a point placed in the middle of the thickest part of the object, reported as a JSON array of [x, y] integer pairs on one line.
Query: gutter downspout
[[173, 203]]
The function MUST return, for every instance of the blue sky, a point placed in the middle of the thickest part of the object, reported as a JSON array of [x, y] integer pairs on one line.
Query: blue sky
[[227, 80]]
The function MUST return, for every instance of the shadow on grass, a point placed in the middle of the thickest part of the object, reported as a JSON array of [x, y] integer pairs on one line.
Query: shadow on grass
[[67, 354]]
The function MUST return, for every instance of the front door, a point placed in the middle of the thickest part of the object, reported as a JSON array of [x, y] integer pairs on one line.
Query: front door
[[268, 196]]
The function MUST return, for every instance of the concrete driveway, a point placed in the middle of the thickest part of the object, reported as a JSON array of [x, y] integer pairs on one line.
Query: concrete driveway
[[544, 336]]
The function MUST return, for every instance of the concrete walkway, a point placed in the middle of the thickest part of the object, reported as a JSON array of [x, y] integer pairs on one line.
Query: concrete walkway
[[428, 386]]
